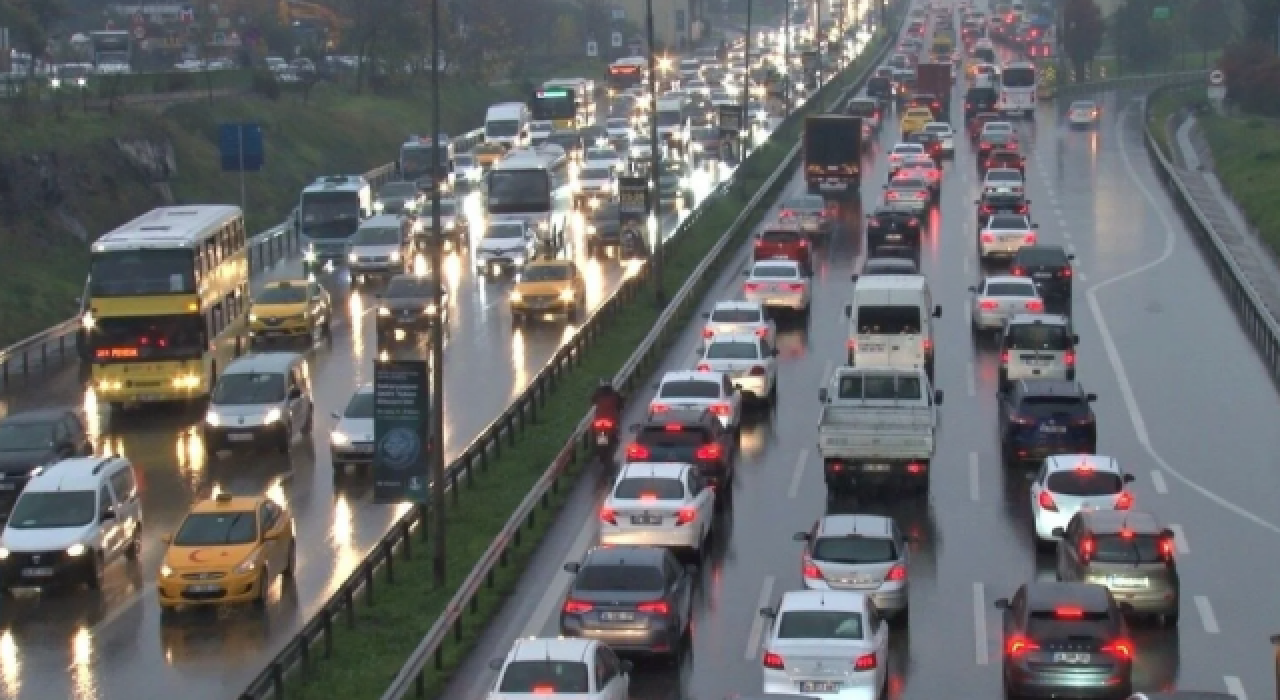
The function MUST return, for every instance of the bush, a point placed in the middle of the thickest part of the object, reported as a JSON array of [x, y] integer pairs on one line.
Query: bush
[[1253, 78], [265, 84]]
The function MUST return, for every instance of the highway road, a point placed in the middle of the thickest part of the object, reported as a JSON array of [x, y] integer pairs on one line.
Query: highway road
[[1184, 404]]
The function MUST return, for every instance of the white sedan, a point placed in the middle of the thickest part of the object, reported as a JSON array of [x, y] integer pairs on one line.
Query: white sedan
[[655, 504], [778, 284], [750, 362], [739, 317], [946, 136], [1069, 484], [698, 390], [1004, 235], [901, 151], [830, 644], [604, 157], [1083, 113], [1000, 298]]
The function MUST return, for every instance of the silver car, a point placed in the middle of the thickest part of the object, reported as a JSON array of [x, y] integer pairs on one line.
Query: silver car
[[377, 248], [1000, 298], [946, 136], [739, 317], [351, 441], [1004, 235], [864, 553], [778, 284], [908, 194]]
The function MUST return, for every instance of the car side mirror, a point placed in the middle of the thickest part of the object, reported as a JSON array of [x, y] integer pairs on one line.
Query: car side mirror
[[295, 393], [496, 664], [707, 316], [768, 612], [1129, 478], [1027, 201], [1002, 604], [823, 395], [1071, 256], [848, 310], [166, 538], [937, 311], [1058, 532], [108, 515], [572, 567], [884, 187], [973, 289], [1035, 225], [774, 352], [937, 397], [335, 415], [1166, 532], [801, 537], [1075, 339], [627, 665], [1091, 397]]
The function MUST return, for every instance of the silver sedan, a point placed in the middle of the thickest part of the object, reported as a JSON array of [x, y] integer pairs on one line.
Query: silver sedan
[[1000, 298], [778, 284]]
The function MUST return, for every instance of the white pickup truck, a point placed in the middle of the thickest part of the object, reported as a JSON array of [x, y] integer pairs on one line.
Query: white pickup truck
[[877, 429]]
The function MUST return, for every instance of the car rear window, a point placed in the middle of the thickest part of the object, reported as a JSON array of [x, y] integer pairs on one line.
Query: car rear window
[[788, 272], [879, 388], [1041, 256], [735, 316], [1004, 176], [781, 237], [1085, 482], [650, 488], [545, 677], [1046, 406], [690, 389], [1007, 222], [619, 577], [863, 109], [888, 320], [1138, 549], [1038, 336], [820, 624], [1048, 625], [733, 350], [685, 436], [1010, 289], [855, 550], [906, 183]]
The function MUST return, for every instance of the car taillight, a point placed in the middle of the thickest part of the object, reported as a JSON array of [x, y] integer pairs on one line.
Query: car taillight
[[1120, 648], [757, 371], [928, 346], [1004, 357], [866, 662], [658, 408], [988, 238], [897, 573], [544, 690], [609, 515], [988, 305], [760, 244], [1087, 548], [1029, 239], [1018, 646], [772, 661], [922, 195], [1018, 419], [873, 223], [1017, 271], [708, 452], [704, 368], [968, 105], [1046, 502], [707, 333], [576, 607], [1071, 356], [810, 570], [720, 409], [686, 516], [602, 424], [1064, 272], [1124, 501], [655, 608], [986, 209], [891, 195], [795, 287], [913, 221], [1166, 548], [984, 146], [786, 214], [635, 451], [803, 243], [1037, 306], [1022, 209], [751, 286]]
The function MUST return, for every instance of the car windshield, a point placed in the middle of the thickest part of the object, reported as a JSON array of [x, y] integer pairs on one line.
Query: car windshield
[[1011, 223], [1134, 549], [855, 550], [689, 389], [619, 578], [595, 173], [733, 350], [820, 624], [410, 288], [249, 388], [1084, 482], [208, 529], [650, 489], [282, 294], [40, 510], [1038, 336], [618, 124], [735, 316], [360, 405], [548, 678], [1010, 289], [368, 235], [1004, 176], [23, 436], [504, 231], [547, 273], [602, 154], [398, 190], [780, 272]]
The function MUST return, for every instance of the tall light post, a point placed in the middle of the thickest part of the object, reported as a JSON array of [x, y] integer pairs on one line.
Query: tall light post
[[655, 161], [437, 336], [745, 128], [786, 57]]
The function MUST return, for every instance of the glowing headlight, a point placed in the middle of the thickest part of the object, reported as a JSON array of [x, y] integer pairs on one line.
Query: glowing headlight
[[165, 571], [339, 438], [35, 471], [450, 224], [4, 554], [245, 566], [189, 381], [566, 295], [697, 147], [395, 256], [87, 320], [379, 206], [75, 550], [309, 256], [591, 230], [212, 418], [110, 385], [430, 310], [352, 257], [384, 311], [272, 416], [516, 296], [253, 317], [544, 225]]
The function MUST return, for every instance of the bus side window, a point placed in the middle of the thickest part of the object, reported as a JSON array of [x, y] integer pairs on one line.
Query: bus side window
[[224, 240], [211, 257], [238, 228], [199, 263]]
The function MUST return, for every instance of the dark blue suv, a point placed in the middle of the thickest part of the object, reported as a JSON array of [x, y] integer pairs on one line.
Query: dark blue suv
[[1044, 417]]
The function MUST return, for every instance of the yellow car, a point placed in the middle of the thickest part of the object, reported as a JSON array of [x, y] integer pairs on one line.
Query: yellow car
[[227, 550], [915, 119], [290, 310], [549, 287]]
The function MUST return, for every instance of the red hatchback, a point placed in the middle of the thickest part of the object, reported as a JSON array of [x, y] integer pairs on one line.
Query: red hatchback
[[783, 244]]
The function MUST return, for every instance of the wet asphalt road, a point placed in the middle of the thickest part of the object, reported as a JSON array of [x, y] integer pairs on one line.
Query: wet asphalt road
[[1184, 405]]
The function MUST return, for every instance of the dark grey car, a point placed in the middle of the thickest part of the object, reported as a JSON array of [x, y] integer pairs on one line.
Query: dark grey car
[[33, 440], [635, 599], [398, 198], [1129, 553], [408, 305]]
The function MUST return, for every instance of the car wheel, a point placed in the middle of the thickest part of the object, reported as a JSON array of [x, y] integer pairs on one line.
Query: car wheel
[[97, 571], [292, 564], [264, 584], [134, 550]]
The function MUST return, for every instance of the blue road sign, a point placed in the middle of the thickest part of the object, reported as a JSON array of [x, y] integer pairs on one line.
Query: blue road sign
[[241, 147]]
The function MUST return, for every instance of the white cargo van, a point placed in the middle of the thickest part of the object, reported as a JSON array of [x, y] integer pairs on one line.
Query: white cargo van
[[507, 123], [891, 322]]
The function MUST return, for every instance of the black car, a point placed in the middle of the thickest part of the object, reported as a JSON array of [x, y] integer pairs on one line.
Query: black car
[[1044, 417], [33, 440], [604, 228], [875, 267], [1049, 266], [887, 227], [991, 204], [1065, 640], [691, 437], [408, 306], [399, 198], [571, 140], [635, 599], [978, 100]]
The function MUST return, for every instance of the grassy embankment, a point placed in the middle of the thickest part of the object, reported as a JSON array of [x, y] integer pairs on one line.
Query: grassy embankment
[[42, 269], [366, 658]]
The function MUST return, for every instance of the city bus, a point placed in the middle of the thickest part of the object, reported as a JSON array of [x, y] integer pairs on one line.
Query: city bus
[[329, 211], [625, 73], [168, 296], [1017, 89], [112, 49], [533, 185], [572, 98]]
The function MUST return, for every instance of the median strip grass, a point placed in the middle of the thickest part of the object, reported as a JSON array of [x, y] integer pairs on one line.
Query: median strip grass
[[365, 659]]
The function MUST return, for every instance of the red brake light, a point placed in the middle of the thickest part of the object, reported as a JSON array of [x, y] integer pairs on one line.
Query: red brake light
[[602, 424], [757, 371], [1029, 239], [712, 451], [544, 690], [897, 573], [751, 286], [1071, 356], [984, 146], [1068, 613], [686, 516], [759, 243], [1037, 306], [786, 214], [772, 661], [803, 243], [892, 195], [1004, 357], [576, 607], [704, 368], [988, 238], [1046, 502], [928, 346], [989, 305], [720, 409], [658, 408], [1066, 272], [913, 221], [762, 332], [1017, 271], [1119, 648], [1019, 646], [655, 608], [635, 451], [1087, 548], [809, 569], [795, 287], [1124, 501], [672, 427], [609, 515], [1166, 548], [707, 332], [866, 662]]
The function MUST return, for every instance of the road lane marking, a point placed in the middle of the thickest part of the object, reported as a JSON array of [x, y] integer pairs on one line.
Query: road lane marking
[[980, 625], [1117, 364], [1157, 480], [972, 382], [757, 624], [1180, 540], [1206, 615], [967, 265], [1235, 687], [974, 493], [1057, 212], [1062, 223], [798, 473], [826, 374], [1071, 249], [550, 602]]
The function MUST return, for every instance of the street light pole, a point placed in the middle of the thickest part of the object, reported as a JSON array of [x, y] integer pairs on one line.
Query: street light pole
[[786, 57], [437, 337], [744, 130], [655, 161]]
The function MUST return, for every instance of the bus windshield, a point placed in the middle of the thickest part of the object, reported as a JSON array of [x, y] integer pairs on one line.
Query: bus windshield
[[148, 338], [519, 191], [124, 273], [1021, 77], [330, 214], [502, 128]]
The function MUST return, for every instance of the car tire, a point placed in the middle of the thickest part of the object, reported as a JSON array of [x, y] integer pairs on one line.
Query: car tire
[[291, 565], [96, 573], [264, 584], [286, 440]]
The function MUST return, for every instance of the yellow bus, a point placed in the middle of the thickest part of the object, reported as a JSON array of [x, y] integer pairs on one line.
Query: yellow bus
[[168, 299]]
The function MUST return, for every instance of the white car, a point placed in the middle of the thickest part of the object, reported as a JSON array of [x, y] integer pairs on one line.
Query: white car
[[618, 128], [698, 87], [724, 99], [597, 184], [1083, 113], [640, 150], [693, 390], [739, 317], [862, 552], [1004, 235], [658, 504], [1068, 484], [1000, 298], [1036, 346], [583, 669], [946, 136], [540, 131], [750, 362], [603, 157], [829, 644], [901, 151], [351, 441], [1006, 182], [778, 284], [506, 245]]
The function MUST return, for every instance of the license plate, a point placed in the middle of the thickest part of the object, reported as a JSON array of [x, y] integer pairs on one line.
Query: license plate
[[894, 236], [875, 467], [1042, 275], [602, 439], [203, 588], [819, 687], [539, 304], [1054, 429], [646, 520], [148, 397], [1067, 657], [1128, 582], [617, 616], [1010, 237], [38, 572], [874, 347], [8, 486], [240, 437]]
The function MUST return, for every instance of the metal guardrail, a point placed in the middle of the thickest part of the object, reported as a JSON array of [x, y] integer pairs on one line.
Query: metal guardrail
[[1257, 321], [316, 637], [1130, 83]]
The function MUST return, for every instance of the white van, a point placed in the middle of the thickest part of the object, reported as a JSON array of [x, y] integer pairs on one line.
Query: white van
[[260, 400], [507, 123], [72, 521], [891, 322]]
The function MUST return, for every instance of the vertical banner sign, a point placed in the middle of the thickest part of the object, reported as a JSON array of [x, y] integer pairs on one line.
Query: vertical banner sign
[[401, 409], [633, 204]]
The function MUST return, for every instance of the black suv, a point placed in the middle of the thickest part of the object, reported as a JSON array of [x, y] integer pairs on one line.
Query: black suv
[[991, 204], [977, 100], [408, 305], [881, 87], [1049, 266], [692, 437], [889, 227], [1131, 552], [1044, 417], [604, 228], [33, 440]]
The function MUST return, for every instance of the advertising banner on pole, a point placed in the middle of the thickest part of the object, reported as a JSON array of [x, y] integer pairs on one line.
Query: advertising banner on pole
[[401, 440]]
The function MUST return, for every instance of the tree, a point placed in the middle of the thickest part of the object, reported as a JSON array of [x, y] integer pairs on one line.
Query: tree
[[1260, 21], [1082, 32], [1141, 43], [1209, 25]]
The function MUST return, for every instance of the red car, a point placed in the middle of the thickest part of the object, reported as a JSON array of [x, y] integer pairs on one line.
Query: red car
[[783, 243]]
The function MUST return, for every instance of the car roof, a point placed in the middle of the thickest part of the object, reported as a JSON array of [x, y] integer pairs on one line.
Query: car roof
[[40, 415], [908, 146], [656, 470], [846, 525], [692, 375], [74, 474], [1046, 595], [1113, 522], [557, 649], [262, 362], [734, 338], [819, 600], [1065, 463], [619, 556], [224, 502]]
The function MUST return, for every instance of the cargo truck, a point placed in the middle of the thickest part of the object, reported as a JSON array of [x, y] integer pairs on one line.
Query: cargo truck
[[833, 155], [935, 79]]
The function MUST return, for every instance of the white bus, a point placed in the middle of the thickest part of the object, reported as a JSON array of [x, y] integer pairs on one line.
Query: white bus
[[1017, 89], [329, 211], [533, 185]]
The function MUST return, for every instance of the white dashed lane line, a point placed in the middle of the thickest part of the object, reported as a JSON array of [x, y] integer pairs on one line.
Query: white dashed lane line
[[1207, 617], [1157, 480]]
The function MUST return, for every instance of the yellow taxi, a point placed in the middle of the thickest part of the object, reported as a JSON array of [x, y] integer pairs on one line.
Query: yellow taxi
[[915, 119], [549, 287], [290, 310], [227, 550]]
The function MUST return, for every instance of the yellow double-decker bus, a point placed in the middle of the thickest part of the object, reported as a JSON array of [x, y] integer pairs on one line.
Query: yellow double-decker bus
[[168, 298]]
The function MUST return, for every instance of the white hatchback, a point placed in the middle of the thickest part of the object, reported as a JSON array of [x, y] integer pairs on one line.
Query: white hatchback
[[1068, 484], [750, 362], [658, 504]]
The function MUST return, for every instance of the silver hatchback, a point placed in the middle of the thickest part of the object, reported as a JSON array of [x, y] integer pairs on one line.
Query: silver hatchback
[[865, 553]]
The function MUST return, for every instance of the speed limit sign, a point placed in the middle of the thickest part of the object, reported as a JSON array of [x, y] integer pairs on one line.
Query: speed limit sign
[[1217, 77]]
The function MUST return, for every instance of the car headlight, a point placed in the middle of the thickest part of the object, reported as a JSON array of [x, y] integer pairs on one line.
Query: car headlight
[[395, 256], [253, 317], [566, 295], [309, 256], [684, 182], [165, 571], [188, 381], [697, 147], [245, 566], [591, 230], [450, 224], [272, 416], [379, 206], [35, 471], [4, 554], [75, 550], [544, 225], [430, 310], [338, 437], [212, 418], [516, 295], [384, 311], [352, 257]]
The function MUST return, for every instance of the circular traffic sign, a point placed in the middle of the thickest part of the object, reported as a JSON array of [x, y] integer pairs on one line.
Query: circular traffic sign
[[1217, 78]]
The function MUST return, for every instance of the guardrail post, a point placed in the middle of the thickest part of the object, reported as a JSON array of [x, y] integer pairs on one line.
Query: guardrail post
[[406, 539], [420, 684], [471, 477], [277, 678], [350, 599], [390, 559], [304, 652], [326, 625], [453, 486], [367, 571], [457, 630], [439, 660]]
